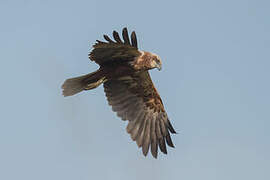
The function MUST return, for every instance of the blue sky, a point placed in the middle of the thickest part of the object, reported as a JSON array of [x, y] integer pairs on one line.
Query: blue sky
[[214, 84]]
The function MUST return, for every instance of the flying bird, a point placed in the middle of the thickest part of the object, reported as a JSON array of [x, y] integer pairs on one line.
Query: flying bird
[[129, 89]]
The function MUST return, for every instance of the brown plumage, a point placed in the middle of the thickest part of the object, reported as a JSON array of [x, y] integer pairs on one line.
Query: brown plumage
[[129, 90]]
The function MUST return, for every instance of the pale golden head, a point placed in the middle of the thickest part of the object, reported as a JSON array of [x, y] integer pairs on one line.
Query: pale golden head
[[156, 61]]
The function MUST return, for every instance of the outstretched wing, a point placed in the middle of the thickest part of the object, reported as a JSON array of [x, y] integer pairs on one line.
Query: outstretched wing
[[118, 50], [135, 99]]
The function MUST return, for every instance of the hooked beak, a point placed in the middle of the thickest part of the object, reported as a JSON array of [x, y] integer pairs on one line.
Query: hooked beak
[[159, 66]]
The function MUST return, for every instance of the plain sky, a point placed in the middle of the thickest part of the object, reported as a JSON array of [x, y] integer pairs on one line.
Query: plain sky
[[214, 84]]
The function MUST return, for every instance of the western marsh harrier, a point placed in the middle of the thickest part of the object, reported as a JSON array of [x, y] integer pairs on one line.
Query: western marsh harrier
[[129, 89]]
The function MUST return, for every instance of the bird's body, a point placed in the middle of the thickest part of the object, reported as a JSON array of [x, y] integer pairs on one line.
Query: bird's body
[[129, 89]]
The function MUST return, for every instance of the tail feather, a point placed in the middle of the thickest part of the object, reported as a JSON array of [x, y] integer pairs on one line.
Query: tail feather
[[75, 85]]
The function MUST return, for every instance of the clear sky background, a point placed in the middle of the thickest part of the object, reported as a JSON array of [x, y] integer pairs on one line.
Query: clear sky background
[[214, 84]]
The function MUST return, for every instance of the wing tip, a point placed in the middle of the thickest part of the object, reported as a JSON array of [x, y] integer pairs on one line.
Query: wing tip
[[132, 40]]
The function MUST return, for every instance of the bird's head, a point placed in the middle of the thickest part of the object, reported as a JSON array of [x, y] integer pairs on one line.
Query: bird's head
[[155, 61], [147, 61]]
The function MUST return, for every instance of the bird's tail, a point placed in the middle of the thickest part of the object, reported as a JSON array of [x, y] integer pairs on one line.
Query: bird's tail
[[86, 82]]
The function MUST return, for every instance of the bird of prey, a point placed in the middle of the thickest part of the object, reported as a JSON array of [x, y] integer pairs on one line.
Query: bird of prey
[[129, 89]]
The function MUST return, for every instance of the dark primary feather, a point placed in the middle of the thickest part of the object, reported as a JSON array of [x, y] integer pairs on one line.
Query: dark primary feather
[[135, 99], [117, 37], [125, 36], [107, 38], [134, 39]]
